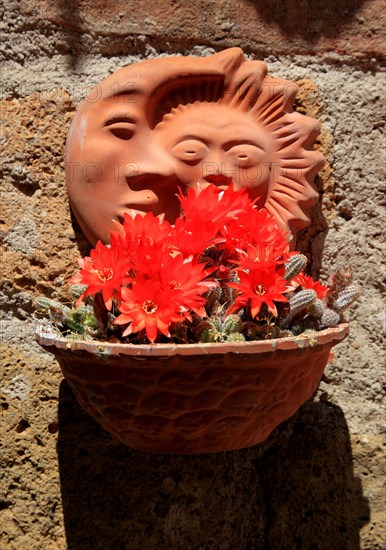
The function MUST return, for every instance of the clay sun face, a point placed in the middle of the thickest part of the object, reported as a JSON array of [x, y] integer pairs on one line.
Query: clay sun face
[[169, 123]]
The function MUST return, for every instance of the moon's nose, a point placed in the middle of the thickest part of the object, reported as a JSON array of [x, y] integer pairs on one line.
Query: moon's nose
[[155, 162]]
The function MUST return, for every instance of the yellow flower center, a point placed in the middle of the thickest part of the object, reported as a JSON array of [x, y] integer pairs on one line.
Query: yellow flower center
[[105, 274], [260, 290], [149, 307], [174, 285]]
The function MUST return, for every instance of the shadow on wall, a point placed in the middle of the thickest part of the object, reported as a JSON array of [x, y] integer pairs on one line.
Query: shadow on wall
[[310, 240], [69, 11], [309, 19], [295, 491]]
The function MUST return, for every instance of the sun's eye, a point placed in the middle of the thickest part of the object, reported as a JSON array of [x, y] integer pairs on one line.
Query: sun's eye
[[190, 151], [246, 155], [122, 127]]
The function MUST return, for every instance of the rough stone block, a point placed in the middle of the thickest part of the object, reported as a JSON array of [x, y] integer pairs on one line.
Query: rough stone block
[[349, 27]]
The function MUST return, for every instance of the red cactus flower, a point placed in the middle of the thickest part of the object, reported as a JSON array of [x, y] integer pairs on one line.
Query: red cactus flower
[[213, 204], [261, 285], [307, 282], [192, 236], [187, 282], [138, 231], [104, 270], [148, 306], [256, 233]]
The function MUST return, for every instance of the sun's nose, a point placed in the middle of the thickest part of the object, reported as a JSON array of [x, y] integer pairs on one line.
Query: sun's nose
[[214, 164], [215, 170]]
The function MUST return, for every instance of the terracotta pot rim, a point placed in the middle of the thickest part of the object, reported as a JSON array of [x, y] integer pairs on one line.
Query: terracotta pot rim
[[47, 337]]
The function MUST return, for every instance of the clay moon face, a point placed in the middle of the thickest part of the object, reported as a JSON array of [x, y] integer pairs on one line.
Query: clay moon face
[[114, 165], [169, 123]]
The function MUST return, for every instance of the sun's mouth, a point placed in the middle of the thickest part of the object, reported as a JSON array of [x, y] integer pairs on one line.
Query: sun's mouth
[[220, 180]]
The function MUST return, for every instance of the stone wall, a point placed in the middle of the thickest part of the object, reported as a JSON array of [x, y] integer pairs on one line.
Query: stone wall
[[318, 482]]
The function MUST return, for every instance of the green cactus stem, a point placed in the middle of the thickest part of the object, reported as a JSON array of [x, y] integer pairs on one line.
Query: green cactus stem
[[73, 325], [301, 300], [77, 290], [330, 318], [232, 324], [213, 300], [235, 337], [216, 323], [294, 265], [41, 302], [87, 317], [346, 297], [317, 308], [205, 332]]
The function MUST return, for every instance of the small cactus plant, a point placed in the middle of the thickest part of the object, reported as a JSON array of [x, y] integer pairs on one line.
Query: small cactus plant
[[346, 297], [252, 331], [330, 318], [235, 337], [316, 308], [294, 265], [232, 324], [207, 332], [300, 301], [216, 329], [80, 320]]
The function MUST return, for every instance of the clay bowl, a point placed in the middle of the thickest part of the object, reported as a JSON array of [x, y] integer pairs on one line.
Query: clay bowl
[[193, 398]]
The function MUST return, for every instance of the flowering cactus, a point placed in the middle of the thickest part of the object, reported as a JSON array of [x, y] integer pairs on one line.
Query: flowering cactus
[[223, 272]]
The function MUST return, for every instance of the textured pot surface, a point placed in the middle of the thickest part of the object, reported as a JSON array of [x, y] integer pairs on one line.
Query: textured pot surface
[[193, 398]]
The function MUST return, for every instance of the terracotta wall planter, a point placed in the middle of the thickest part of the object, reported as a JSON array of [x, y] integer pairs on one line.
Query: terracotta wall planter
[[194, 398], [179, 121]]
